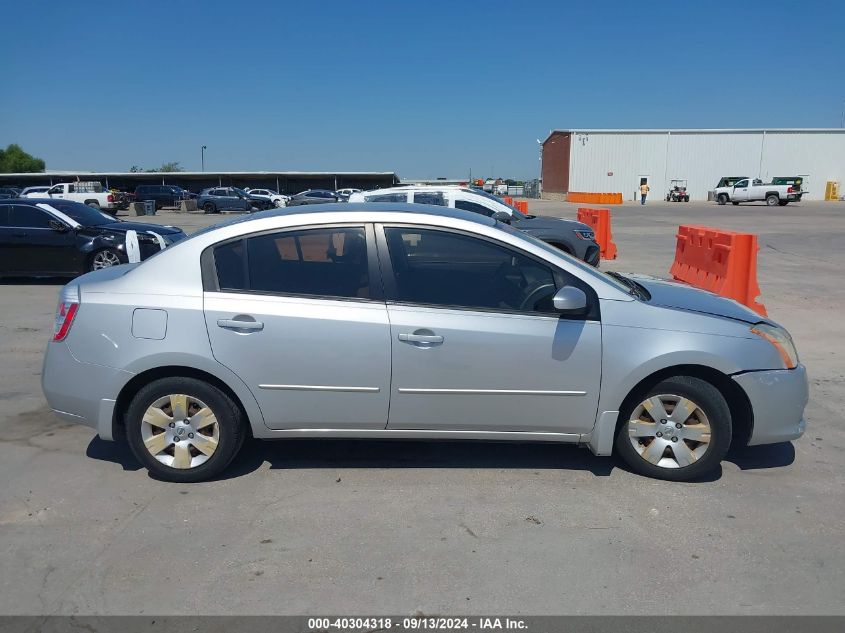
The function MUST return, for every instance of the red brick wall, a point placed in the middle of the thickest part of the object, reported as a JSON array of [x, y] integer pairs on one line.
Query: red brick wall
[[556, 163]]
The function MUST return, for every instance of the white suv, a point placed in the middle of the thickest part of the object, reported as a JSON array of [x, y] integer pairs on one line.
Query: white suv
[[278, 200], [570, 236]]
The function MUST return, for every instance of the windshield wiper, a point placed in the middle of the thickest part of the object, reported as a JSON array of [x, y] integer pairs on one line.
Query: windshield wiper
[[635, 289]]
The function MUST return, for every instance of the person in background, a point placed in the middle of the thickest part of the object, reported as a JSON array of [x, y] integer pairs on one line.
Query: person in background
[[643, 192]]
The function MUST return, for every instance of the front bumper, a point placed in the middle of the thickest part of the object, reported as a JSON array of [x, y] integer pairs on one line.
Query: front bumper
[[778, 398], [79, 392]]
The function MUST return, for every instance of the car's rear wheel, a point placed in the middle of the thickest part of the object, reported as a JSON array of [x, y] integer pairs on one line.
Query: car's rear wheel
[[105, 258], [722, 199], [93, 204], [208, 207], [183, 429], [772, 200], [678, 430]]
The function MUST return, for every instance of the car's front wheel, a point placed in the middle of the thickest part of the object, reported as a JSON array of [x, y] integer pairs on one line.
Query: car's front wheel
[[183, 429], [678, 430], [105, 258], [722, 199]]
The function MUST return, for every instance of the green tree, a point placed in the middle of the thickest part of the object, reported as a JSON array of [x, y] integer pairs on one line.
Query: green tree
[[13, 160], [172, 166]]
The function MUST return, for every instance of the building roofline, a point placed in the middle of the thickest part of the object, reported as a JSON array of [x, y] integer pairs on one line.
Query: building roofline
[[63, 173], [791, 130]]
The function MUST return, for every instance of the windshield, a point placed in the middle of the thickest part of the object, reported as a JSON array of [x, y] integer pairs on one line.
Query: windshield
[[490, 196], [83, 214]]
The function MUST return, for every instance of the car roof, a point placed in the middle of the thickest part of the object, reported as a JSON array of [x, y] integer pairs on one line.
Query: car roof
[[371, 207]]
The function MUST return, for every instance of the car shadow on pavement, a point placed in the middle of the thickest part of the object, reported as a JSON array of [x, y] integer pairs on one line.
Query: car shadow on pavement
[[353, 453]]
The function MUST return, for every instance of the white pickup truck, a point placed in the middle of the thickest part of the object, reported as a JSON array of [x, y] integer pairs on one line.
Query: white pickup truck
[[748, 190], [90, 193]]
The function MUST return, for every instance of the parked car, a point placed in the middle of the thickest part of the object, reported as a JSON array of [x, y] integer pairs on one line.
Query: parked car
[[315, 196], [410, 321], [748, 190], [572, 237], [163, 195], [217, 199], [44, 237], [277, 199], [346, 192], [90, 193], [35, 192], [9, 192]]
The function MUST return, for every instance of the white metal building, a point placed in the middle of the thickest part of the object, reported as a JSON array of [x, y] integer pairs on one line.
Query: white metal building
[[617, 160]]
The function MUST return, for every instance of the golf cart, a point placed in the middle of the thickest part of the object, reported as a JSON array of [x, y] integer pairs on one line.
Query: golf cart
[[677, 191]]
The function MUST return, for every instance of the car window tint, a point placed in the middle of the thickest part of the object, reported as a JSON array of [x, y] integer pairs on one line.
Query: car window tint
[[449, 269], [388, 197], [29, 217], [4, 214], [317, 262], [429, 197], [474, 207]]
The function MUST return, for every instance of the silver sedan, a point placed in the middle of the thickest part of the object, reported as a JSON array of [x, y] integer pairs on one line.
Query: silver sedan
[[410, 322]]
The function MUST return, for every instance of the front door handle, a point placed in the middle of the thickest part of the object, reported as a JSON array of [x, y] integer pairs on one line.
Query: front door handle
[[238, 324], [430, 339]]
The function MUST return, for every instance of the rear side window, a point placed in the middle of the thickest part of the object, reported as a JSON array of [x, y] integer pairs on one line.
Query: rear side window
[[388, 197], [429, 197], [315, 262]]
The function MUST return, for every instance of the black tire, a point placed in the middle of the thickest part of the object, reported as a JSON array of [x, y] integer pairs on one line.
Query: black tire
[[209, 207], [104, 258], [93, 204], [709, 400], [772, 200], [232, 428], [722, 198]]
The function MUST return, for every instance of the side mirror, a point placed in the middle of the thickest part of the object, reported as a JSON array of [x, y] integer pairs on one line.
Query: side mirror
[[570, 300], [60, 227], [501, 216]]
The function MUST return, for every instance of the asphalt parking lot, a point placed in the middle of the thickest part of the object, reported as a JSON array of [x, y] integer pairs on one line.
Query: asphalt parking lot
[[360, 527]]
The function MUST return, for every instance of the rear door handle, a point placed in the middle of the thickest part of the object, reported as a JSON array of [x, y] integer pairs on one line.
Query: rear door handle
[[420, 338], [237, 324]]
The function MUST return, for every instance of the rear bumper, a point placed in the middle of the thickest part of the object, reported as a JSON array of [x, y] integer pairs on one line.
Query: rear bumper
[[79, 392], [778, 399]]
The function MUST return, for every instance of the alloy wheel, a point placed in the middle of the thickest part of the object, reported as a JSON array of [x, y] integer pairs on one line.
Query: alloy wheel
[[669, 431], [105, 259], [180, 431]]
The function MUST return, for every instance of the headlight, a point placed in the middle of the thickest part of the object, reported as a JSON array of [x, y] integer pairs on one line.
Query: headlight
[[585, 235], [782, 341]]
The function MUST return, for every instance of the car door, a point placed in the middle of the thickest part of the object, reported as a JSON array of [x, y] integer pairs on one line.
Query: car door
[[57, 192], [740, 192], [37, 246], [477, 345], [298, 314]]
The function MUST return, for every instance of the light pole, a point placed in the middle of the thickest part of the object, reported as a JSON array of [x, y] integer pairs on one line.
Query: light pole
[[202, 154]]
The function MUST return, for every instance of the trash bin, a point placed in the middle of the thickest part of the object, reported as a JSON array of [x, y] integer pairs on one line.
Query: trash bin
[[149, 207], [711, 196]]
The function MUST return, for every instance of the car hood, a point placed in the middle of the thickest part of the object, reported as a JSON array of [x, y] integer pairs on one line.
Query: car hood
[[122, 227], [547, 223], [672, 294]]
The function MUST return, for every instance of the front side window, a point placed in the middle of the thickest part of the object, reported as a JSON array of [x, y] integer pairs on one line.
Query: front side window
[[474, 207], [741, 183], [448, 269], [328, 262], [29, 217]]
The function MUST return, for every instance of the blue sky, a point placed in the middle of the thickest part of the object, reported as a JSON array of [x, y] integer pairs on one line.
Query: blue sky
[[425, 89]]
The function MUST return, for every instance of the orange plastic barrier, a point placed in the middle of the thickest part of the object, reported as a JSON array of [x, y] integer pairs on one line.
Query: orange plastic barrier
[[522, 205], [508, 200], [594, 198], [599, 221], [724, 262]]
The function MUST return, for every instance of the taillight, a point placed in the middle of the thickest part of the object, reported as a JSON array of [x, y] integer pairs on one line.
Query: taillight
[[790, 190], [110, 198], [66, 312]]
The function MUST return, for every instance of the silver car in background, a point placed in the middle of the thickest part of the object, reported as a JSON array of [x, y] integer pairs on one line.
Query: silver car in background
[[413, 321]]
